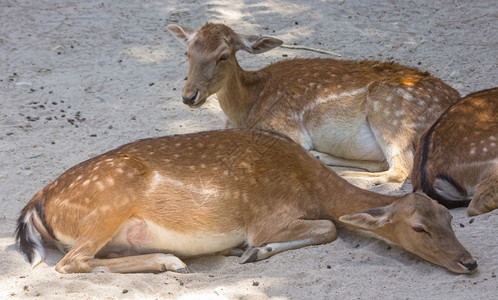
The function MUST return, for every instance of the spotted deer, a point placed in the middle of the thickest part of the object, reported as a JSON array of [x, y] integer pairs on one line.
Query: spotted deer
[[140, 207], [457, 160], [363, 114]]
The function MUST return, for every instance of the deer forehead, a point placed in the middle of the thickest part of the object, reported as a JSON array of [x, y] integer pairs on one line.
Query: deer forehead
[[212, 40], [202, 52]]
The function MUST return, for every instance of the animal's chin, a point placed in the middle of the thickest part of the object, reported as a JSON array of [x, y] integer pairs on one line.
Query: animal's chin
[[198, 104]]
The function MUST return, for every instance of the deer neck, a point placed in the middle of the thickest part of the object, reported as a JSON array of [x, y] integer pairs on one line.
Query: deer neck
[[240, 93], [342, 198]]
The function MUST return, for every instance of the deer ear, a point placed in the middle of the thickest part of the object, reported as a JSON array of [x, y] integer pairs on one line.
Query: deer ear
[[369, 219], [183, 34], [255, 44]]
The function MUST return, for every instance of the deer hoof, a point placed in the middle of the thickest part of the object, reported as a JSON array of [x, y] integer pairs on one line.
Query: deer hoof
[[250, 255]]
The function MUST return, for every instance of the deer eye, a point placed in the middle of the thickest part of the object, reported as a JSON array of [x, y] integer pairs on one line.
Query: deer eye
[[224, 57], [420, 229]]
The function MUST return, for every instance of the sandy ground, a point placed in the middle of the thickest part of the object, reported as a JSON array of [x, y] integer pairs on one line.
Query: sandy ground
[[81, 77]]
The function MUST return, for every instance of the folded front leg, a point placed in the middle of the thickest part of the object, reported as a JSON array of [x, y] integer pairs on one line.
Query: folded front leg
[[299, 233]]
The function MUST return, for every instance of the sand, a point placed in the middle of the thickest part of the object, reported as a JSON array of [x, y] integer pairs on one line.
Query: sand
[[78, 78]]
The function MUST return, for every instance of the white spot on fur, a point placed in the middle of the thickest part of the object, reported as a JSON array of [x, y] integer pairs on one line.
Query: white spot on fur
[[376, 106], [100, 186]]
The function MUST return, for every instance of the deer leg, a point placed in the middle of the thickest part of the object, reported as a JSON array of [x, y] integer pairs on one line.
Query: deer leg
[[400, 163], [237, 251], [155, 262], [369, 165], [299, 233], [80, 259], [485, 198]]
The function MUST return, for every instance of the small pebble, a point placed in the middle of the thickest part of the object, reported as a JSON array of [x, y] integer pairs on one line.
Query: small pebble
[[455, 74]]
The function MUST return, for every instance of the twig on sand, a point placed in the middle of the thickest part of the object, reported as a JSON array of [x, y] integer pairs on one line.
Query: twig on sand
[[310, 49]]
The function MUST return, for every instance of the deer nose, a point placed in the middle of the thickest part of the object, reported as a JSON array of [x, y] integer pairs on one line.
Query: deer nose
[[471, 266], [190, 100]]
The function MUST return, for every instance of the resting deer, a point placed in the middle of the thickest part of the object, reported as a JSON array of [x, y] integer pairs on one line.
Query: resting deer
[[138, 207], [457, 160], [350, 113]]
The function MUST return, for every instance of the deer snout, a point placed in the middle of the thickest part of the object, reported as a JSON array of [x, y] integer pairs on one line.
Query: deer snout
[[470, 265], [190, 98]]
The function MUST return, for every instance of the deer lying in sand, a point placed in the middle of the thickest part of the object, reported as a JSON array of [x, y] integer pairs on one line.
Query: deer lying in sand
[[457, 160], [138, 207], [360, 114]]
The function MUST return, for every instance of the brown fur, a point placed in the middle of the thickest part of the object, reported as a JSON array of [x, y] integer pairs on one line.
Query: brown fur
[[461, 148], [241, 186], [363, 114]]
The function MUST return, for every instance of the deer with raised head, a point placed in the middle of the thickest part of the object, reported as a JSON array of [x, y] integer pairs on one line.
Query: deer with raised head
[[363, 114], [140, 207], [457, 160]]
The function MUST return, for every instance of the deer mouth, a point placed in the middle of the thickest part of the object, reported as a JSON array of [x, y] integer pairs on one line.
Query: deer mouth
[[463, 267], [197, 104], [469, 267], [195, 100]]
